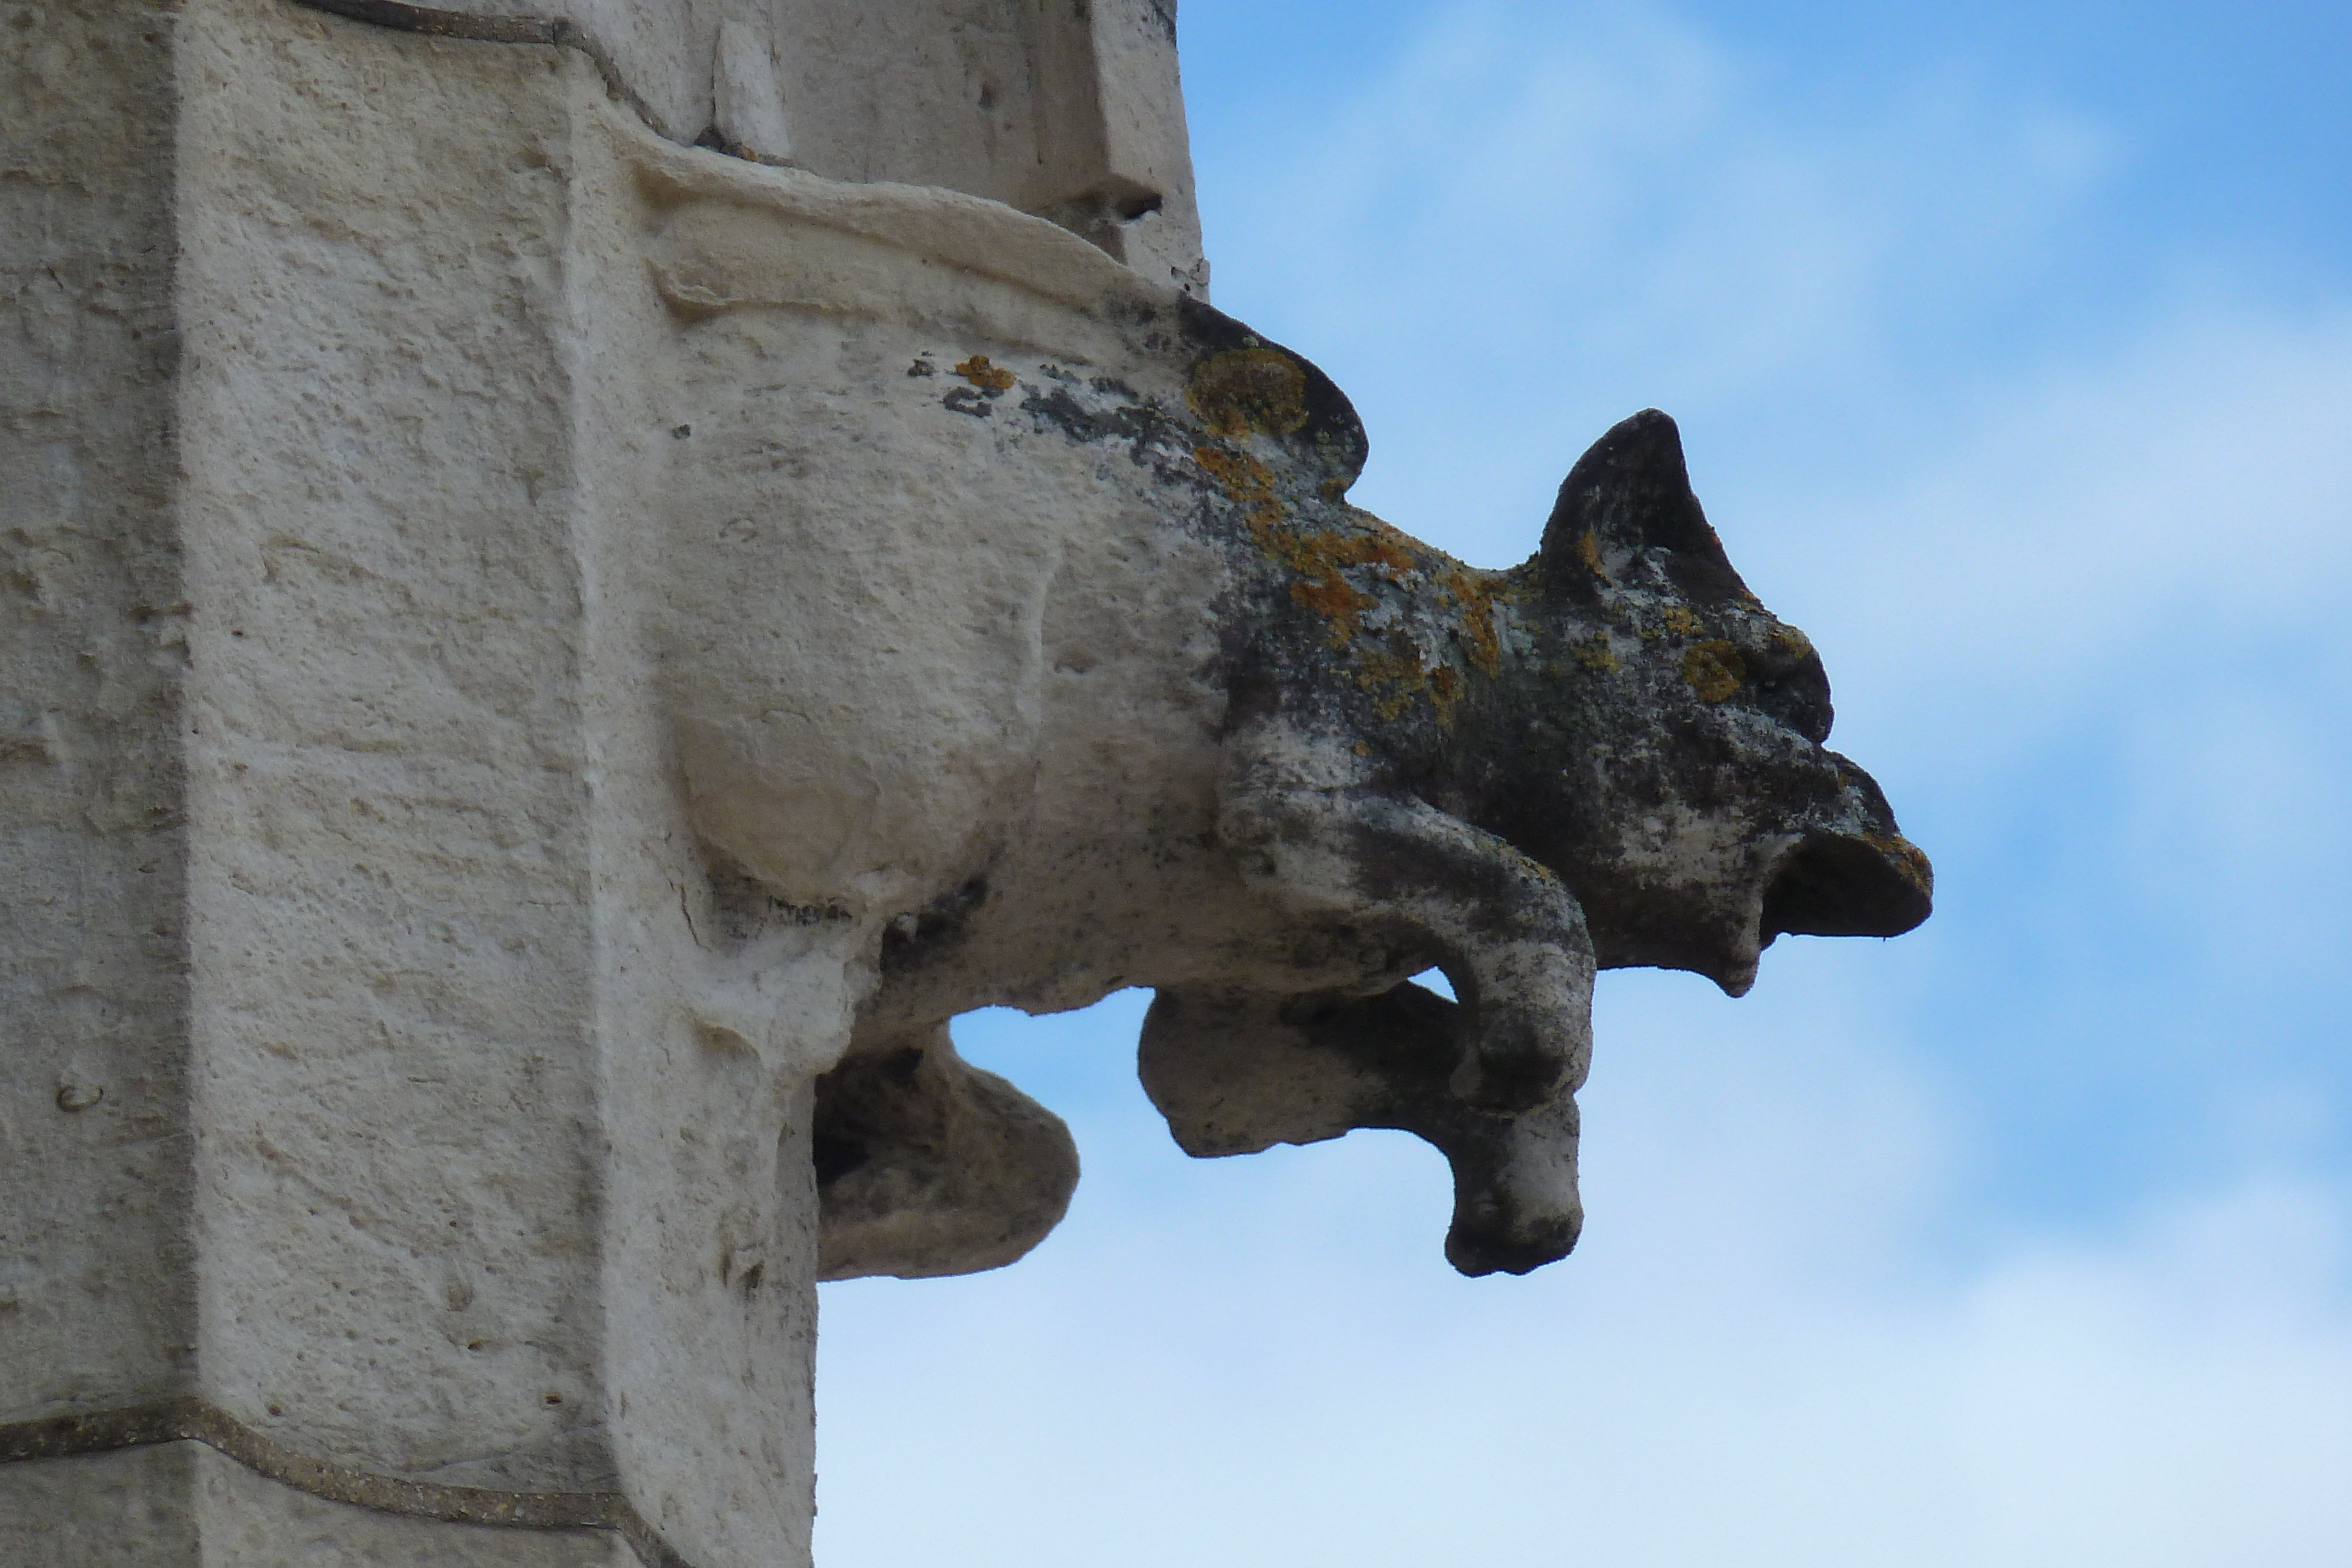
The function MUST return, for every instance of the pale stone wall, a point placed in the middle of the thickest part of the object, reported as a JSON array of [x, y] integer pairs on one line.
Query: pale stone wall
[[394, 955], [1069, 109], [134, 1508], [454, 1145], [97, 1302], [316, 967], [174, 1503]]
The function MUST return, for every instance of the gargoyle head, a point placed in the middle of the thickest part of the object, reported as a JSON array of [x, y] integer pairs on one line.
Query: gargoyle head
[[1679, 782]]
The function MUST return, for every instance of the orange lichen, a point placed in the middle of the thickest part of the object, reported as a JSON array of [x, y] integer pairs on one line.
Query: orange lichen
[[1244, 391], [1337, 601], [1713, 670], [1475, 597], [1247, 483], [1588, 550], [1241, 476], [1444, 691], [1597, 655], [1678, 618], [987, 378], [1399, 669], [1321, 557], [1334, 548], [1908, 858], [1320, 560]]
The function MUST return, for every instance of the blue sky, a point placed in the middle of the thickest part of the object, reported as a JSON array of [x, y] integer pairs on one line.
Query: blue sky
[[2013, 347]]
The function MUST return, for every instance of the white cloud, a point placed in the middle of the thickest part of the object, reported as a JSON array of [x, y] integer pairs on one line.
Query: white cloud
[[2125, 530], [1543, 219], [2184, 1398], [1264, 1361]]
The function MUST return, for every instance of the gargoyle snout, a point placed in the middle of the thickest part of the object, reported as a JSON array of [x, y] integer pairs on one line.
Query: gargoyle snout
[[1849, 884]]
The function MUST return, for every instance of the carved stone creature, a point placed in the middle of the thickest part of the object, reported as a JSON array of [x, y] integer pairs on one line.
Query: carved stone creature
[[554, 662], [1619, 762], [1118, 689]]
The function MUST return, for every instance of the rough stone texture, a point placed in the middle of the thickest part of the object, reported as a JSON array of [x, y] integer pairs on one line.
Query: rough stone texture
[[554, 662], [372, 916], [1069, 109], [182, 1503], [96, 1298], [250, 1522], [133, 1509], [395, 954]]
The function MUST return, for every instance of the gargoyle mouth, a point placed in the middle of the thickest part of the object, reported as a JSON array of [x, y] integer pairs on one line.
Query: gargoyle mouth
[[1837, 884]]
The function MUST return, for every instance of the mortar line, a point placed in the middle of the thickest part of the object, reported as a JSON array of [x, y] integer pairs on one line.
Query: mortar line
[[192, 1419]]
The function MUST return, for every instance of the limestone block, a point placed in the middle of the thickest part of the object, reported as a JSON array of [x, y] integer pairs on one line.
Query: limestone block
[[748, 114], [135, 1507], [183, 1505], [1069, 110], [96, 1303], [393, 949], [292, 337], [1147, 151]]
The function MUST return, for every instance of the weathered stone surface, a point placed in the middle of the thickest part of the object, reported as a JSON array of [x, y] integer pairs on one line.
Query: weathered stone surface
[[1069, 108], [133, 1508], [393, 950], [97, 1299], [551, 662], [182, 1505], [1274, 756], [928, 1165]]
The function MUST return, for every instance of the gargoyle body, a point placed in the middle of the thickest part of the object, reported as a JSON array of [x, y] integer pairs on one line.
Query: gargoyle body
[[1114, 687]]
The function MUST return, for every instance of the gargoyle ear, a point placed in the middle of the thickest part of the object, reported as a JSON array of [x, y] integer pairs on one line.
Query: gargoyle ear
[[1629, 493]]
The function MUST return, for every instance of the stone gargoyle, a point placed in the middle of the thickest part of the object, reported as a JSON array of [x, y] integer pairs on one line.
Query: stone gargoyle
[[1109, 686], [559, 660]]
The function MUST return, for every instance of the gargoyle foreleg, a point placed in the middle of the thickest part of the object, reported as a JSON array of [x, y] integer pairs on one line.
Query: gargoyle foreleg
[[928, 1166], [1323, 839], [1234, 1072]]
